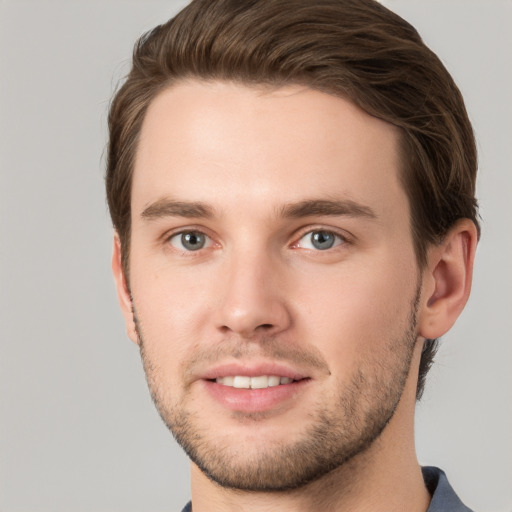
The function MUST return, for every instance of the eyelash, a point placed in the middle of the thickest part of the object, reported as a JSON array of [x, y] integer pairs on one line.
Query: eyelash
[[340, 240], [197, 232]]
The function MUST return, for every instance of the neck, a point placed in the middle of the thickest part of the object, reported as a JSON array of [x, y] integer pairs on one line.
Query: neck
[[386, 476]]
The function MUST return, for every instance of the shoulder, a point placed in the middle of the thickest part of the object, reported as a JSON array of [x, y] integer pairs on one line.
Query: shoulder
[[188, 507], [444, 498]]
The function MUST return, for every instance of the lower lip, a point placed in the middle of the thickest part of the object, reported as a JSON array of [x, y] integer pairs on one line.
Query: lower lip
[[255, 400]]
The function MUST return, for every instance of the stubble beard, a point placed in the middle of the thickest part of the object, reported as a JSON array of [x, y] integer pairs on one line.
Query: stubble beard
[[338, 432]]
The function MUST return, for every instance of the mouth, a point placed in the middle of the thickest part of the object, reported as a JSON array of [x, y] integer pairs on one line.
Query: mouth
[[255, 388], [256, 382]]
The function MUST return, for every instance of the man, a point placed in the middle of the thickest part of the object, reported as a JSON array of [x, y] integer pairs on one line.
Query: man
[[292, 189]]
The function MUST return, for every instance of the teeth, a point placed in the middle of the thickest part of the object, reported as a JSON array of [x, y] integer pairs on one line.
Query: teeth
[[274, 381], [242, 382], [259, 382], [228, 381]]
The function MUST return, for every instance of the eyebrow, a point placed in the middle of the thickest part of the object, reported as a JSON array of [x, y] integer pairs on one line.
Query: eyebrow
[[167, 207], [321, 207], [171, 208]]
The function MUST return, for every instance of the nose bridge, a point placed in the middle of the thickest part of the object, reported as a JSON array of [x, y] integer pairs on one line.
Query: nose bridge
[[252, 300]]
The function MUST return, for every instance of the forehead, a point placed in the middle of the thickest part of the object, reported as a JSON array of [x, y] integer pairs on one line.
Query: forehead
[[234, 144]]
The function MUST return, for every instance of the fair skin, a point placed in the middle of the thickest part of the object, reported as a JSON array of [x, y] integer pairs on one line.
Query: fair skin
[[271, 237]]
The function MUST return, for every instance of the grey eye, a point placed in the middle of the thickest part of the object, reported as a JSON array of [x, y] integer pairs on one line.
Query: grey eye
[[189, 240], [320, 240]]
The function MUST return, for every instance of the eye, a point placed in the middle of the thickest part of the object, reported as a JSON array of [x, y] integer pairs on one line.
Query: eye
[[190, 241], [320, 240]]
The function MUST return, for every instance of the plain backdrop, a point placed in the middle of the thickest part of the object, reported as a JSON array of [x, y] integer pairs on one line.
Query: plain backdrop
[[78, 431]]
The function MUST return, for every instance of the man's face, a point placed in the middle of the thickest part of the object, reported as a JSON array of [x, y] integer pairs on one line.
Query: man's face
[[273, 278]]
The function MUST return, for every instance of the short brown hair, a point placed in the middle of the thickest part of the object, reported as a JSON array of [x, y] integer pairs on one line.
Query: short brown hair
[[356, 49]]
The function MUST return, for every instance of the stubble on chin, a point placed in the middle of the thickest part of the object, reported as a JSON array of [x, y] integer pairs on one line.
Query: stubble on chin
[[338, 431]]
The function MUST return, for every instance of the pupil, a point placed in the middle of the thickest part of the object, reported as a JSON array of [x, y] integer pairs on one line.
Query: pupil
[[192, 241], [323, 240]]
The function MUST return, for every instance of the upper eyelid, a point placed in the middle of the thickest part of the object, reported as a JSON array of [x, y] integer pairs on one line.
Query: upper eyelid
[[342, 239], [166, 239], [343, 234], [295, 237], [168, 234], [177, 233]]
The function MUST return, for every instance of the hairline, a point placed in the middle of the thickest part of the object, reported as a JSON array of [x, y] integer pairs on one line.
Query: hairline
[[268, 86]]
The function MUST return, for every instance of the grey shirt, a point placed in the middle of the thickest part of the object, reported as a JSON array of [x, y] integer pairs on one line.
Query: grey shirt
[[444, 498]]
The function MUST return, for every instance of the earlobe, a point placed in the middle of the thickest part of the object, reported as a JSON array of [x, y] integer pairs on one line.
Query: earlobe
[[447, 279], [123, 292]]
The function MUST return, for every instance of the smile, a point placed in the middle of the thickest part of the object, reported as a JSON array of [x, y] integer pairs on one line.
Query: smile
[[257, 382], [255, 386]]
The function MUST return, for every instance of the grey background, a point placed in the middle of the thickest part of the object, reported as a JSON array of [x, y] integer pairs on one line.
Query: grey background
[[78, 431]]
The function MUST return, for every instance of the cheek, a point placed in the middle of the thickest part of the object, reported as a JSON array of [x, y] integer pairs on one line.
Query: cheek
[[171, 312], [165, 294], [351, 314]]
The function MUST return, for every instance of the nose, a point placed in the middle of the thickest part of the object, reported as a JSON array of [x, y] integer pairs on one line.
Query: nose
[[253, 298]]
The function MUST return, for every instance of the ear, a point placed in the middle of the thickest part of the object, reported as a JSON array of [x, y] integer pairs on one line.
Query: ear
[[123, 292], [447, 280]]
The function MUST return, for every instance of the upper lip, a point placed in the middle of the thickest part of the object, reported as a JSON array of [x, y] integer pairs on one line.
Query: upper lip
[[252, 370]]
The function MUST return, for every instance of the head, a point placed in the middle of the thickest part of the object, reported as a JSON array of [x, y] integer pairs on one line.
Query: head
[[356, 51]]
